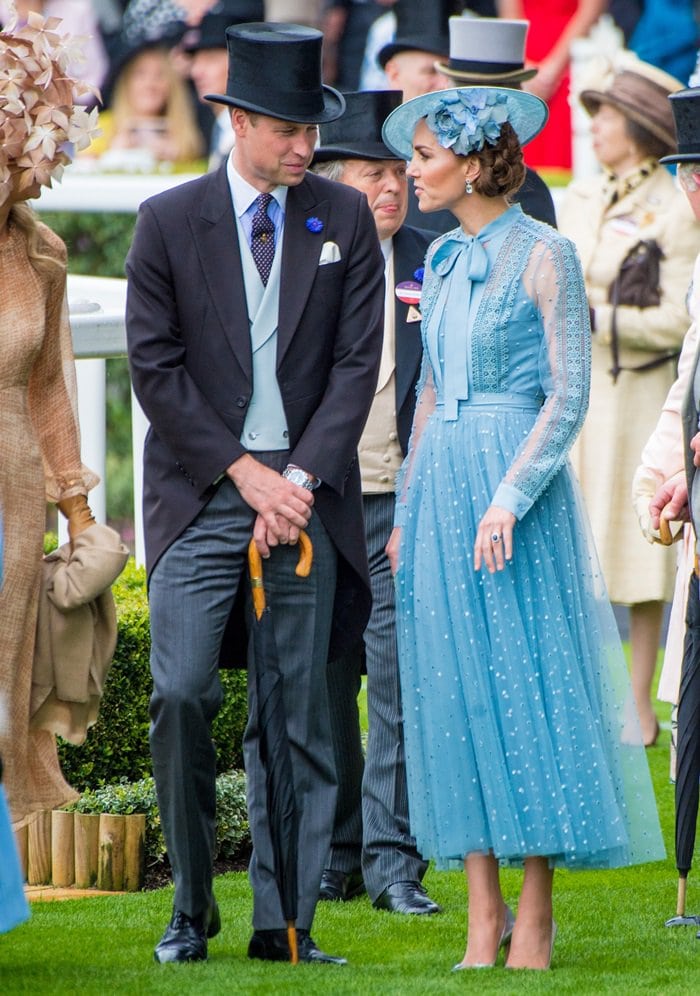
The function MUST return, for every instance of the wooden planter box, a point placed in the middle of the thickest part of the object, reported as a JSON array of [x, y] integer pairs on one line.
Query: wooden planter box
[[85, 850]]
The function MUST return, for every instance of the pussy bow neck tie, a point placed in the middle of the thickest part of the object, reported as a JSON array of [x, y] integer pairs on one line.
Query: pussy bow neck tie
[[471, 251], [465, 255]]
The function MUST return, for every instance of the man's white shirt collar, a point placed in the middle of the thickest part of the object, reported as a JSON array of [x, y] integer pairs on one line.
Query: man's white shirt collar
[[243, 193]]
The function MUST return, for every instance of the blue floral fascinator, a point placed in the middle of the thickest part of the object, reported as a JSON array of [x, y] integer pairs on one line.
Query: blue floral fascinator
[[464, 119]]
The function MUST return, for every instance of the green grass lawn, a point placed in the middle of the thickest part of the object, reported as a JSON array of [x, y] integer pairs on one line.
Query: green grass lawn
[[611, 939]]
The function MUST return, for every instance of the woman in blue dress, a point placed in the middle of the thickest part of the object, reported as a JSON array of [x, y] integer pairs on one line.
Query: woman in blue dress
[[522, 744]]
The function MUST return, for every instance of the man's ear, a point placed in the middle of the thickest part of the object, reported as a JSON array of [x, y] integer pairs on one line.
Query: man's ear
[[391, 71], [240, 120]]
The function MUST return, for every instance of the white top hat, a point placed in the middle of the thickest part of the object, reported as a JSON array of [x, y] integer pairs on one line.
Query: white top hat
[[487, 50]]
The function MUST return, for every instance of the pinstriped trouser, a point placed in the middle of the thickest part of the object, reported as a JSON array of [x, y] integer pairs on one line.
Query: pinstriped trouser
[[191, 592], [372, 826]]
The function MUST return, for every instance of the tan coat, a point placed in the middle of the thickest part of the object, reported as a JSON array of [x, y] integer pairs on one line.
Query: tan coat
[[76, 633], [622, 415]]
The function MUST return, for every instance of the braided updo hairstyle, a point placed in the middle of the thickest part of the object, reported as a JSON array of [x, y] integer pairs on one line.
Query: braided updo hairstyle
[[502, 166]]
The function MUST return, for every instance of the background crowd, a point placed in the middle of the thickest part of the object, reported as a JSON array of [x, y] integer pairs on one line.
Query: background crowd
[[156, 43]]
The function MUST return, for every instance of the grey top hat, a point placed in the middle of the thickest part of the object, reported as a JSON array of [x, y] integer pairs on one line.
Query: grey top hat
[[420, 27], [275, 69], [686, 111], [487, 50], [358, 133]]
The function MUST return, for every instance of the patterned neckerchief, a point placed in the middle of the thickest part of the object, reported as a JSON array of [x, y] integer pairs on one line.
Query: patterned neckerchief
[[618, 187]]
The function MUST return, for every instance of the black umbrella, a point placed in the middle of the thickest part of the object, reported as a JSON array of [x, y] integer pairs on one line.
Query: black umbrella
[[688, 753], [275, 755]]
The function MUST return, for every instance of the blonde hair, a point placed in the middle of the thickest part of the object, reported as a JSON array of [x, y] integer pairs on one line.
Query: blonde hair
[[23, 218], [178, 111]]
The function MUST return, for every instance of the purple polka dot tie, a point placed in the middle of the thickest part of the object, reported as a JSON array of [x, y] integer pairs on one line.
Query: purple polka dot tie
[[262, 239]]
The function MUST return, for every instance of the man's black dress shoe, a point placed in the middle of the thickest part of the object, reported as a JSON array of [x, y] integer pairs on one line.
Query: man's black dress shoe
[[340, 886], [185, 937], [271, 945], [406, 897]]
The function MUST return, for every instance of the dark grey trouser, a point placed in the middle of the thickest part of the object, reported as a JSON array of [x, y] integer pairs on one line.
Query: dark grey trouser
[[372, 822], [191, 593]]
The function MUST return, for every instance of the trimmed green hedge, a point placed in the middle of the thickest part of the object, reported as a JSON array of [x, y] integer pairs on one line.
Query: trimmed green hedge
[[232, 829], [116, 748]]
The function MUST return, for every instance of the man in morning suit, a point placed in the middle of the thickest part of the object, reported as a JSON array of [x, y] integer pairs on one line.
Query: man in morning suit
[[254, 321], [372, 838]]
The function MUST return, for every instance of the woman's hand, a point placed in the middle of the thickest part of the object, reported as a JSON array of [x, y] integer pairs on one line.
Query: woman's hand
[[494, 539], [77, 511], [392, 549]]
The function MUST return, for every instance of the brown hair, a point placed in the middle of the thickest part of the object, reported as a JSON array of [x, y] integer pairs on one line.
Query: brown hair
[[648, 144], [502, 167], [22, 216]]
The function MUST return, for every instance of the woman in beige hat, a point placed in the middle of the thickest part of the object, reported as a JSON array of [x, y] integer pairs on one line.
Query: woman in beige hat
[[632, 200]]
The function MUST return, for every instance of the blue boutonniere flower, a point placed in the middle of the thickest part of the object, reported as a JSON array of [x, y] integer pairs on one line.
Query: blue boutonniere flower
[[314, 225], [419, 274]]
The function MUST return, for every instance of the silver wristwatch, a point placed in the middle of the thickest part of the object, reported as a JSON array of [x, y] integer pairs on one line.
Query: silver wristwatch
[[298, 476]]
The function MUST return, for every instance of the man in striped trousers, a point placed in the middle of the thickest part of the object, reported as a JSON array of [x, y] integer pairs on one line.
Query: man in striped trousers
[[372, 846]]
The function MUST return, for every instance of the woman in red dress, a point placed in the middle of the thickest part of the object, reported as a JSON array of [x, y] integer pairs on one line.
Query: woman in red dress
[[554, 24]]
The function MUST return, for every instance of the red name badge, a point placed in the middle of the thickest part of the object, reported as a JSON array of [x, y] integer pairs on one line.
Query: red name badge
[[408, 292]]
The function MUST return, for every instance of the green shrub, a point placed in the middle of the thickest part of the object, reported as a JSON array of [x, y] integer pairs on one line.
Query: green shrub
[[117, 746], [97, 242], [232, 830]]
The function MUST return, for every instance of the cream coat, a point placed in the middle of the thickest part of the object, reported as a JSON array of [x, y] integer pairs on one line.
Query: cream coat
[[622, 415], [663, 457]]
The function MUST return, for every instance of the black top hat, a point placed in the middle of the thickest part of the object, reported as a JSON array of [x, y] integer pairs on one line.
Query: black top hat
[[358, 133], [275, 69], [685, 105], [211, 30], [421, 26]]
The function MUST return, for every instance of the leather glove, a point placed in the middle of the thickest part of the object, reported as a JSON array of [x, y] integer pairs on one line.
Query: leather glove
[[644, 486], [77, 511]]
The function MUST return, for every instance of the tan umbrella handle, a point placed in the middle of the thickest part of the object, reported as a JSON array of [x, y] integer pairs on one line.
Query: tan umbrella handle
[[303, 569]]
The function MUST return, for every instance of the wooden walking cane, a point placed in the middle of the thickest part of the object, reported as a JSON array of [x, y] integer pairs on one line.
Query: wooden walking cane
[[274, 748]]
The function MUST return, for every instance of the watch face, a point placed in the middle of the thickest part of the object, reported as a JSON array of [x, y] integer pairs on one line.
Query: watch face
[[300, 477]]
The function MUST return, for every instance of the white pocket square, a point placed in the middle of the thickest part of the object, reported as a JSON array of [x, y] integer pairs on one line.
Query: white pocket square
[[330, 253]]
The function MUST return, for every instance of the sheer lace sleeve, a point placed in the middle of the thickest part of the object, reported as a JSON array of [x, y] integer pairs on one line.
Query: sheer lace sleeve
[[554, 281], [425, 406], [53, 402]]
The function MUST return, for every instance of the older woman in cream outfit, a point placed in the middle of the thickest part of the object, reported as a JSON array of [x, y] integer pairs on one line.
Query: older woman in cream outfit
[[633, 199]]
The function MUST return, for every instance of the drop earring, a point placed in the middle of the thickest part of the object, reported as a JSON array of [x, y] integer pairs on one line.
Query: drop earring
[[468, 187]]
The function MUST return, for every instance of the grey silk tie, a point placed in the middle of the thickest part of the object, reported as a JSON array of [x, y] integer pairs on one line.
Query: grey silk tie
[[262, 239]]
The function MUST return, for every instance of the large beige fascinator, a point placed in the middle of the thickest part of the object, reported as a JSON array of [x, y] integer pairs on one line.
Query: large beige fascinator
[[39, 119]]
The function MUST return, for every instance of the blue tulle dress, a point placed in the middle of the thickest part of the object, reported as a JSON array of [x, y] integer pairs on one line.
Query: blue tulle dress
[[520, 729]]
